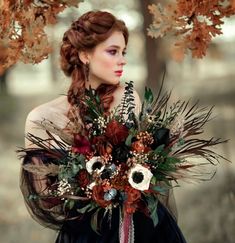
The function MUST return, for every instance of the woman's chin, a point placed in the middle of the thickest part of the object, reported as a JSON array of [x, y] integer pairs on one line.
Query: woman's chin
[[114, 82]]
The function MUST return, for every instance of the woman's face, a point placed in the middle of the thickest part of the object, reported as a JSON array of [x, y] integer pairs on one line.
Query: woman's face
[[106, 61]]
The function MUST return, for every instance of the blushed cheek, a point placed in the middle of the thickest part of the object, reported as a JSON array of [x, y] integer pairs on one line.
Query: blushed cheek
[[107, 63]]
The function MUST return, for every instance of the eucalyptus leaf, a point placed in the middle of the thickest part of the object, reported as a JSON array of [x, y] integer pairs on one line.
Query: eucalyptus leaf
[[94, 221], [87, 208], [159, 149], [70, 203], [160, 189], [75, 169], [128, 140], [154, 216], [152, 207]]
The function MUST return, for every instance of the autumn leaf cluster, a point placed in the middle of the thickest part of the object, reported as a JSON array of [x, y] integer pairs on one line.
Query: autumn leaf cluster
[[22, 29], [192, 23]]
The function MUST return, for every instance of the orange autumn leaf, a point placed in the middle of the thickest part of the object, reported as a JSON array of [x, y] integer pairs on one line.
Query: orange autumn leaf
[[193, 24], [22, 29]]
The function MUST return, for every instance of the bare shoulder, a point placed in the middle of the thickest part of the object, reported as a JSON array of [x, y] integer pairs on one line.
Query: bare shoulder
[[51, 111], [118, 95], [46, 110]]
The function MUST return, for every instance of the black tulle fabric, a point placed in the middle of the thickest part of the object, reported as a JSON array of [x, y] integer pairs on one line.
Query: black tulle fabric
[[166, 231], [80, 231]]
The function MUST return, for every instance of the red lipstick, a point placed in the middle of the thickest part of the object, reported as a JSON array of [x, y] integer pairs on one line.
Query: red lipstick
[[119, 72]]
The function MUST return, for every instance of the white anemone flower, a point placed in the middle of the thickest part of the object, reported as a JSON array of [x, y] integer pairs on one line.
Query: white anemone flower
[[95, 164], [140, 177]]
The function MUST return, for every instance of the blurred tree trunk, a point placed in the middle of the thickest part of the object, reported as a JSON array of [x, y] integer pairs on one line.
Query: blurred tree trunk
[[154, 56], [3, 83], [53, 61]]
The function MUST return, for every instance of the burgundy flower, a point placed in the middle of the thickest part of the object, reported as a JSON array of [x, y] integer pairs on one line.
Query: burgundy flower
[[102, 145], [81, 144], [116, 132], [132, 194], [98, 196], [83, 178], [132, 202]]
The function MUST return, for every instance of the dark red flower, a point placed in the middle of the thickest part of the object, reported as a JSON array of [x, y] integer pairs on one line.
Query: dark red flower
[[138, 146], [81, 144], [132, 202], [98, 196], [133, 194], [102, 145], [116, 132], [83, 178]]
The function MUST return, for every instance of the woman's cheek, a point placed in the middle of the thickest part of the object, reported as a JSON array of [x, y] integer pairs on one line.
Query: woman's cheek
[[108, 63]]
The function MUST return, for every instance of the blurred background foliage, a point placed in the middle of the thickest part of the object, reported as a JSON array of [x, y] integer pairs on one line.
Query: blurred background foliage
[[206, 210]]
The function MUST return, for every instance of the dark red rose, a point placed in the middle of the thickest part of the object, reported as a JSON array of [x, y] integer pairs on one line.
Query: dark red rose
[[116, 132], [98, 196], [81, 144], [102, 145], [83, 178]]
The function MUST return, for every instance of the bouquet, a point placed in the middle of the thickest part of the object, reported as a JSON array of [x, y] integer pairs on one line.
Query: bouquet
[[122, 159]]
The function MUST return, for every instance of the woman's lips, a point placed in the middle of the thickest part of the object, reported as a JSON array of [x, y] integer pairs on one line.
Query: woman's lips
[[118, 73]]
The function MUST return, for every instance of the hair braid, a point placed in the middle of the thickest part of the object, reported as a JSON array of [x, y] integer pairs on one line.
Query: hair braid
[[85, 33]]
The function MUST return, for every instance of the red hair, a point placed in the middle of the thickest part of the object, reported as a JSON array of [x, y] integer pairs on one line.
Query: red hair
[[85, 33]]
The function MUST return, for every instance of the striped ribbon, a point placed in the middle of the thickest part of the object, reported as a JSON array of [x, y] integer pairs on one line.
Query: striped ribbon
[[126, 228]]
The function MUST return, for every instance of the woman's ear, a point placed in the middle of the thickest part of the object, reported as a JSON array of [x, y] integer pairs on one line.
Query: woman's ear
[[84, 56]]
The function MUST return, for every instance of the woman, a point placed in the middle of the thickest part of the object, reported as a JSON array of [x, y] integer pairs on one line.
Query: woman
[[92, 54]]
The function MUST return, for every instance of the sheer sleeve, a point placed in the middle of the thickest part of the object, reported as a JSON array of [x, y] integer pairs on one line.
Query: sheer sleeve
[[168, 200], [47, 211]]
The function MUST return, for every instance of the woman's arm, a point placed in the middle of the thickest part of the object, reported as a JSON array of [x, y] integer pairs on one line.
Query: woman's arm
[[38, 183]]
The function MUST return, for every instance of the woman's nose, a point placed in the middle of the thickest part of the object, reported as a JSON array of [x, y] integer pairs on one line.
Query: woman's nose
[[122, 60]]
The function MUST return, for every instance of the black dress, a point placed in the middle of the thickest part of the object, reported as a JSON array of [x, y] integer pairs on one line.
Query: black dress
[[166, 231], [80, 231]]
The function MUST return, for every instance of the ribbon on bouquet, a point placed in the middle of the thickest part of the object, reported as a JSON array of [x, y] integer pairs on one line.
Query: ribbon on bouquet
[[126, 228]]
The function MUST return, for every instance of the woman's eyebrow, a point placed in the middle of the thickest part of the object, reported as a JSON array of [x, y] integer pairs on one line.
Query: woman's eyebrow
[[118, 47]]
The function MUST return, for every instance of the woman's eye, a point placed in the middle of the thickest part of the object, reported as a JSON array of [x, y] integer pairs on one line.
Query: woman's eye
[[113, 52]]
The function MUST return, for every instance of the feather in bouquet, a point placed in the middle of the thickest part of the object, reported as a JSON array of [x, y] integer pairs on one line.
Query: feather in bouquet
[[120, 159]]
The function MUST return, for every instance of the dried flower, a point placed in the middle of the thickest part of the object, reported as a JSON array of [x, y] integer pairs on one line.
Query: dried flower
[[138, 146], [111, 194], [63, 187]]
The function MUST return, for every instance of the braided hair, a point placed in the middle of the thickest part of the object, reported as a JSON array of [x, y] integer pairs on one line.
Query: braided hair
[[85, 33]]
